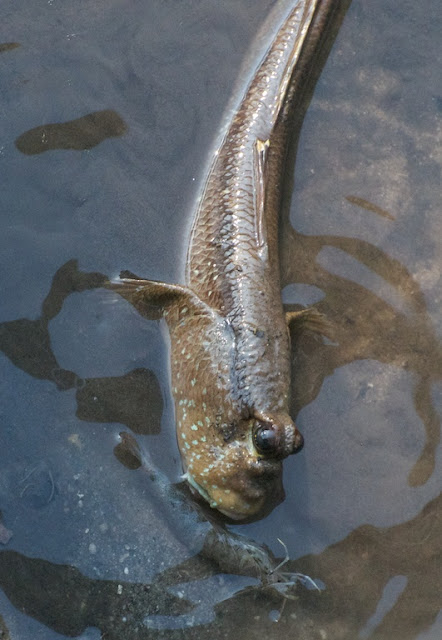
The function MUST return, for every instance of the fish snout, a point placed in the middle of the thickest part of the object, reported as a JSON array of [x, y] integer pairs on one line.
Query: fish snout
[[294, 439]]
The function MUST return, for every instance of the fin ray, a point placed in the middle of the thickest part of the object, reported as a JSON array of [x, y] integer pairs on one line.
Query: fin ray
[[309, 319], [147, 294]]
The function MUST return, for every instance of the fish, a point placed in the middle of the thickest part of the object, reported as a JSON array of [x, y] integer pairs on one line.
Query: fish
[[208, 541], [229, 334]]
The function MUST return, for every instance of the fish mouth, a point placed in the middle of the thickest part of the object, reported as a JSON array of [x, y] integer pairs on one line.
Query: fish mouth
[[249, 496], [193, 483], [234, 515]]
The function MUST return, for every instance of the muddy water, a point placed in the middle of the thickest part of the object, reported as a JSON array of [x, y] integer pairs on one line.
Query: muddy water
[[108, 111]]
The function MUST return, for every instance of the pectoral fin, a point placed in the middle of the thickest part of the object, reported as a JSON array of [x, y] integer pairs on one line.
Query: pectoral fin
[[309, 320], [150, 292], [147, 294]]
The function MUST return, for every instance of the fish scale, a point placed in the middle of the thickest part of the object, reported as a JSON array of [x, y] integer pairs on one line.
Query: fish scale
[[230, 348]]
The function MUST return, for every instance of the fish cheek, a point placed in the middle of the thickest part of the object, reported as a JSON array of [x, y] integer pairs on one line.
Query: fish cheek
[[231, 477], [216, 472], [245, 486]]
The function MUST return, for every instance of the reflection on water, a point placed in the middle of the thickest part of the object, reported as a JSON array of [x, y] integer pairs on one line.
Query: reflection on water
[[357, 571], [363, 564], [133, 399], [93, 552], [367, 328]]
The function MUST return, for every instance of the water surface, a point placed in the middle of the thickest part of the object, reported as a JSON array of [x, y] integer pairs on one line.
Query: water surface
[[108, 112]]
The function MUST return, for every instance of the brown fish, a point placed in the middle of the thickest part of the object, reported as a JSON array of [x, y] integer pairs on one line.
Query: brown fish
[[230, 349]]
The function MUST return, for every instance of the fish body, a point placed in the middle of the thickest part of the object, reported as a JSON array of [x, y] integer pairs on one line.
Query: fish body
[[230, 348]]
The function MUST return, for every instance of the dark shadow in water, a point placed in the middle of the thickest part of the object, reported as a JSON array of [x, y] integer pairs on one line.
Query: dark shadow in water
[[27, 342], [4, 633], [8, 46], [355, 572], [369, 206], [133, 399], [80, 134], [68, 602], [357, 569], [5, 534], [365, 327]]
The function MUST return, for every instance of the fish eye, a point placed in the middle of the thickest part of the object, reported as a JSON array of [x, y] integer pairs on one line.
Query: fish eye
[[266, 438]]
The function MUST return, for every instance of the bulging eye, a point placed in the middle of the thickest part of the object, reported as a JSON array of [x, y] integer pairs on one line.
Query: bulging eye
[[266, 438]]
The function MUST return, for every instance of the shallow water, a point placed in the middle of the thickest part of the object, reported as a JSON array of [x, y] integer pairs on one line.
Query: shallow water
[[115, 191]]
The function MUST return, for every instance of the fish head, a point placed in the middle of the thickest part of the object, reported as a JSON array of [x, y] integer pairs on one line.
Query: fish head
[[237, 467]]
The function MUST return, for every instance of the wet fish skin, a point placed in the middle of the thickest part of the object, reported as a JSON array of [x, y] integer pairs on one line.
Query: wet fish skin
[[230, 351], [205, 538]]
